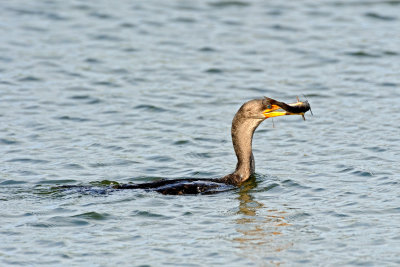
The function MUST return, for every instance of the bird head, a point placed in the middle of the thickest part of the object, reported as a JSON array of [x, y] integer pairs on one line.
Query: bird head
[[268, 108]]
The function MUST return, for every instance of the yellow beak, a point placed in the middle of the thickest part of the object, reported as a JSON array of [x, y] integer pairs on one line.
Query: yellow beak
[[276, 111]]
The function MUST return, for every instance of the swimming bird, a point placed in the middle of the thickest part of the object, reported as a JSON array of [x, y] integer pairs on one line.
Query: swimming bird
[[246, 120]]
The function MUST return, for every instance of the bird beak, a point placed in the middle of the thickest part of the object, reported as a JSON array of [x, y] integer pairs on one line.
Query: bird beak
[[274, 111], [283, 109]]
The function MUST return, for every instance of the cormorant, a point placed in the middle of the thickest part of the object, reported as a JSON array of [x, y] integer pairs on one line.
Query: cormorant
[[247, 119]]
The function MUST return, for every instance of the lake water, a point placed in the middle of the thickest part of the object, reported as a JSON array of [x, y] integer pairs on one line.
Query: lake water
[[135, 91]]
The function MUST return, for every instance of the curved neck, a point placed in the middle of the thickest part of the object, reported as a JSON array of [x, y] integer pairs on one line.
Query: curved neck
[[242, 137]]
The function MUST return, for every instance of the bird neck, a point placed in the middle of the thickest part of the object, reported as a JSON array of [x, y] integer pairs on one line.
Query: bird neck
[[242, 137]]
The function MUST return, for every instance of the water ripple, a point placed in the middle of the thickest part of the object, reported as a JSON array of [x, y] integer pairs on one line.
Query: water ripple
[[93, 216]]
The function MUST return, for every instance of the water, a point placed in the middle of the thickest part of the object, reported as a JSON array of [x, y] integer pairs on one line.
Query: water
[[135, 91]]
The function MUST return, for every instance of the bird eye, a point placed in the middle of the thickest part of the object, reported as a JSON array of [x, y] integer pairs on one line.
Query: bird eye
[[267, 103]]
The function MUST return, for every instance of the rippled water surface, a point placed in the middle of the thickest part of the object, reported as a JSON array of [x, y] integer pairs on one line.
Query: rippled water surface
[[95, 92]]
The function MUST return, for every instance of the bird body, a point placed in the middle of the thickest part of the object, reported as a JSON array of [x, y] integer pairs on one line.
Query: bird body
[[246, 120]]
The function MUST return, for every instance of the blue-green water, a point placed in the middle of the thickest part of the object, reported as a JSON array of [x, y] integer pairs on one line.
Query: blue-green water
[[133, 91]]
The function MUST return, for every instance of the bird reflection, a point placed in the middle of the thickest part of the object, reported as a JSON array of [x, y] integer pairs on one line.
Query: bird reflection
[[260, 228]]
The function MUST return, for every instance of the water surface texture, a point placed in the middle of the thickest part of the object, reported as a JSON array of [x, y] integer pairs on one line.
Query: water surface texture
[[95, 92]]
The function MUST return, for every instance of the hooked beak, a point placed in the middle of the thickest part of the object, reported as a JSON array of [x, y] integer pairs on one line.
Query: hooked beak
[[274, 111], [281, 109]]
